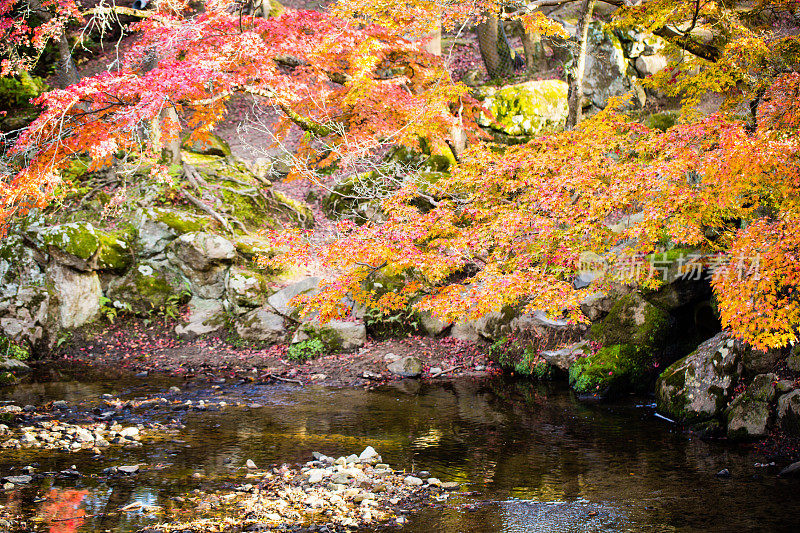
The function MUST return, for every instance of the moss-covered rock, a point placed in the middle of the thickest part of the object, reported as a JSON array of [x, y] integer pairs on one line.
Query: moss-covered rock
[[699, 386], [610, 371], [84, 247], [178, 221], [245, 288], [525, 109], [210, 144], [635, 321], [335, 335], [148, 287]]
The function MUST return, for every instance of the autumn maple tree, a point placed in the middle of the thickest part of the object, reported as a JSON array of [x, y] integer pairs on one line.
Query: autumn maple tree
[[508, 224]]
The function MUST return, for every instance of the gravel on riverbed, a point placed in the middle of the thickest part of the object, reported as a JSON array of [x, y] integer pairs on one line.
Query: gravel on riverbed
[[337, 494]]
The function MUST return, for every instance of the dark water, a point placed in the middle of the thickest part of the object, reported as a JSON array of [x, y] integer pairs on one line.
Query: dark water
[[535, 459]]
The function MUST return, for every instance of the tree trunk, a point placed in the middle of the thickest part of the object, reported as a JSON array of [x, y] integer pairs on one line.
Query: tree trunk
[[67, 73], [165, 137], [496, 55], [576, 79], [535, 60]]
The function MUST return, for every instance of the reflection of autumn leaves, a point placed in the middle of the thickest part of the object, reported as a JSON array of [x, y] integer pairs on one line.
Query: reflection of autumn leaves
[[63, 504]]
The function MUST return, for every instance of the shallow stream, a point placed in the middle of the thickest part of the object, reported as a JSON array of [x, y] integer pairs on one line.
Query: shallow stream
[[530, 457]]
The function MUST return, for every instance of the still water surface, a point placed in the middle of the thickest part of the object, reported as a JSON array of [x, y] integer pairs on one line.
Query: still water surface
[[531, 456]]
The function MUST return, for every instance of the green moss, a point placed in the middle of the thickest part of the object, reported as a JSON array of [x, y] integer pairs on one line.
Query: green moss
[[662, 121], [18, 91], [178, 221], [526, 108], [531, 366], [632, 320], [302, 213], [115, 253], [78, 238], [613, 369]]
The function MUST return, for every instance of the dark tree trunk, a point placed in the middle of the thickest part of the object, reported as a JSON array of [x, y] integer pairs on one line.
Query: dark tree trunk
[[495, 54]]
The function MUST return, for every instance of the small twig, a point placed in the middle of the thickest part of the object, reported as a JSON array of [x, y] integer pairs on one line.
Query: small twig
[[436, 375], [287, 380]]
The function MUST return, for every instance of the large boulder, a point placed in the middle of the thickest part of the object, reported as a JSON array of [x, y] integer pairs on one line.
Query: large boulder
[[525, 109], [606, 73], [335, 335], [201, 251], [699, 386], [789, 412], [245, 289], [82, 246], [147, 287], [262, 325], [407, 367], [205, 316], [280, 301], [76, 294], [635, 321], [749, 413]]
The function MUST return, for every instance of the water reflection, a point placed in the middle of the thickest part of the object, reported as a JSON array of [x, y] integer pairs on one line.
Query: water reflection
[[535, 458]]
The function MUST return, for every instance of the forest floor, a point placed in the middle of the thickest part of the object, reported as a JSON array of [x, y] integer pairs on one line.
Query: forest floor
[[133, 344]]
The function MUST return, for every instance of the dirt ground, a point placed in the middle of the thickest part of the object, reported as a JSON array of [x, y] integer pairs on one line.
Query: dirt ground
[[131, 344]]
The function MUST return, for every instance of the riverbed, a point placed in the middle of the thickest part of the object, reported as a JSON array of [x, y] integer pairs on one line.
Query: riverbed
[[528, 457]]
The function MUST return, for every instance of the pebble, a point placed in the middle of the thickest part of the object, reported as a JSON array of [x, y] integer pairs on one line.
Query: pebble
[[412, 481], [250, 464], [724, 473], [132, 469], [18, 480]]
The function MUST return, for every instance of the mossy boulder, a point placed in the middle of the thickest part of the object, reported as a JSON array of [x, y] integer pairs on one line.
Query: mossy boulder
[[148, 287], [699, 386], [245, 288], [525, 109], [178, 221], [748, 415], [635, 321], [210, 144], [789, 412], [335, 335], [610, 371], [82, 246]]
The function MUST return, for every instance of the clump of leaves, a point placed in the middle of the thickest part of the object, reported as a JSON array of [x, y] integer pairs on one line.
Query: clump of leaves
[[305, 350], [13, 350]]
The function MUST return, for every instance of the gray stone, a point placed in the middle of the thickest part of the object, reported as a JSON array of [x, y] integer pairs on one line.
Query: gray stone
[[77, 293], [792, 470], [18, 480], [13, 365], [699, 386], [244, 288], [407, 367], [200, 251], [369, 455], [148, 286], [596, 305], [280, 300], [748, 418], [205, 316], [432, 325], [250, 464], [128, 470], [789, 412], [262, 325], [563, 358], [412, 481], [650, 65]]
